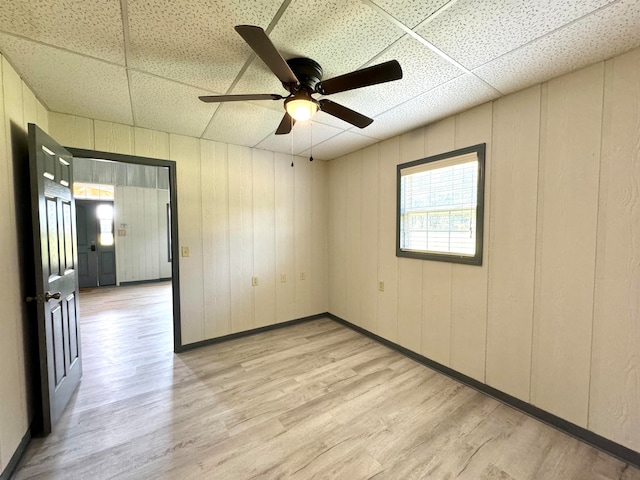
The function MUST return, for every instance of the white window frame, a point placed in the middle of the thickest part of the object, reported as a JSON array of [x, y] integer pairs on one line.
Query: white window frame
[[475, 153]]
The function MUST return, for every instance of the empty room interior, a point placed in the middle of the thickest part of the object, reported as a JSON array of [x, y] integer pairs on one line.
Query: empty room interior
[[347, 239]]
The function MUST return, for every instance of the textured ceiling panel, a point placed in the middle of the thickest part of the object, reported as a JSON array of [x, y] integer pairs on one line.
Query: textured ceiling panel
[[411, 12], [340, 35], [231, 120], [194, 41], [301, 137], [179, 49], [475, 32], [169, 107], [259, 79], [422, 70], [596, 37], [342, 144], [90, 27], [464, 92], [71, 83]]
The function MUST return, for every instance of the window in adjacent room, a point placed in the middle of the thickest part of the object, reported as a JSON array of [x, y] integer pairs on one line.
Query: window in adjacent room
[[440, 207]]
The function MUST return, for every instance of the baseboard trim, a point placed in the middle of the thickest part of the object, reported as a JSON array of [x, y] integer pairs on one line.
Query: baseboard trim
[[246, 333], [140, 282], [608, 446], [11, 467]]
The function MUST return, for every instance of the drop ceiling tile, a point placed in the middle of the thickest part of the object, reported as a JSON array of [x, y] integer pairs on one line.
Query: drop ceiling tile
[[259, 79], [192, 41], [71, 83], [89, 27], [340, 35], [475, 32], [161, 104], [341, 144], [301, 136], [242, 123], [459, 94], [422, 70], [410, 12], [597, 37]]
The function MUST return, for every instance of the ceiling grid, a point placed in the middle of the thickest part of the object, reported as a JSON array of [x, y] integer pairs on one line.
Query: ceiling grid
[[145, 62]]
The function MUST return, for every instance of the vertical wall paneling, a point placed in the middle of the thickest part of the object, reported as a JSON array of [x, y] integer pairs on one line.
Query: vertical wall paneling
[[353, 236], [151, 225], [389, 157], [113, 137], [318, 240], [164, 265], [512, 234], [264, 237], [13, 414], [436, 276], [120, 242], [142, 253], [615, 369], [71, 131], [214, 176], [150, 143], [337, 237], [185, 151], [42, 117], [30, 106], [469, 282], [241, 237], [368, 250], [570, 154], [285, 236], [302, 222], [410, 269]]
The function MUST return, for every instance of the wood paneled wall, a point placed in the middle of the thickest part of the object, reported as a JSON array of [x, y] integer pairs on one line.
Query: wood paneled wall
[[243, 213], [18, 107], [552, 316], [143, 253]]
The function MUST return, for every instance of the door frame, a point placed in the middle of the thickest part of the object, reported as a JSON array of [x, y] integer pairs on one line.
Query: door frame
[[173, 205]]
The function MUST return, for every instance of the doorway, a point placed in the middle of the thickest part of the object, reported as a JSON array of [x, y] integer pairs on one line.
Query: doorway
[[123, 229]]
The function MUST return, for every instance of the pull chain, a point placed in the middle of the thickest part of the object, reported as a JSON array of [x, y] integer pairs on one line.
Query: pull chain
[[292, 141], [311, 131]]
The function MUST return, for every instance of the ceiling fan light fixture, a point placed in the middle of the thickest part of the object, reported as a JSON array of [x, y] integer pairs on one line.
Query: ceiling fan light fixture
[[301, 108]]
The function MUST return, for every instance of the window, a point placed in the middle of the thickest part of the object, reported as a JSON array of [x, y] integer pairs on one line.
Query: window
[[105, 219], [92, 191], [440, 207]]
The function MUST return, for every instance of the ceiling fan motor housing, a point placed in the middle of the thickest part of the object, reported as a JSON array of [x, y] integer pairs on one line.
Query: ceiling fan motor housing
[[309, 72]]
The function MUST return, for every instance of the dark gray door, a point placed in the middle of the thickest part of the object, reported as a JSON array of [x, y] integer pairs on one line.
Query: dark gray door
[[56, 283], [96, 249], [87, 248]]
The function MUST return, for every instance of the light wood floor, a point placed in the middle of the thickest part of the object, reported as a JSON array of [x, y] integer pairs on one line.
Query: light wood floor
[[316, 400]]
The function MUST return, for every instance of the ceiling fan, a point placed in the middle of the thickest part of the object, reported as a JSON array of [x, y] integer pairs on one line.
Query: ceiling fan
[[302, 77]]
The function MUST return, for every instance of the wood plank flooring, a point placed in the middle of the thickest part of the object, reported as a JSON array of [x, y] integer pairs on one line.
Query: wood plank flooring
[[315, 400]]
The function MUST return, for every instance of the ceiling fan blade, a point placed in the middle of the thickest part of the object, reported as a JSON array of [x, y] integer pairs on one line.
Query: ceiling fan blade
[[344, 113], [384, 72], [286, 124], [240, 98], [261, 44]]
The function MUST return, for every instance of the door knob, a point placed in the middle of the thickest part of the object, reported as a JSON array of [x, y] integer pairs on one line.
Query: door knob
[[44, 298]]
